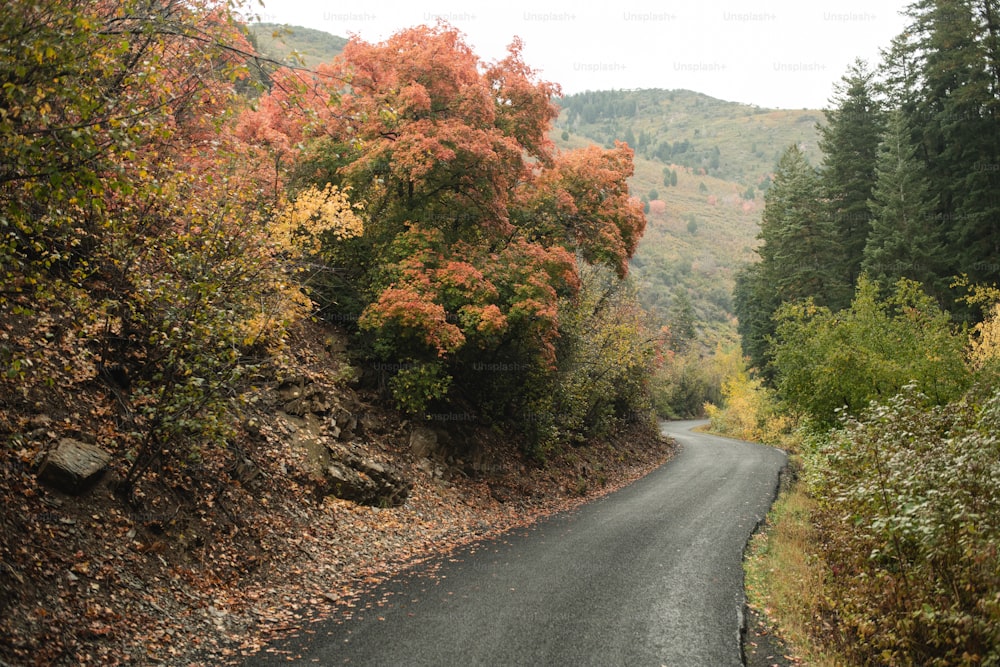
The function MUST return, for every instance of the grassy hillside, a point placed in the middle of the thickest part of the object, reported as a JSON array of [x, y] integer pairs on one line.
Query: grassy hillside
[[732, 141], [282, 41], [703, 228]]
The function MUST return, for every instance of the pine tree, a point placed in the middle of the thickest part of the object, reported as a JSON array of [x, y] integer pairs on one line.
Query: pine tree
[[799, 250], [798, 255], [850, 142], [956, 113], [754, 302], [904, 242]]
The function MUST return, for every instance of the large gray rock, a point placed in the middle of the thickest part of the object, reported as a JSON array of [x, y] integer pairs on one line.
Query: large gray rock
[[73, 466], [424, 442], [365, 482]]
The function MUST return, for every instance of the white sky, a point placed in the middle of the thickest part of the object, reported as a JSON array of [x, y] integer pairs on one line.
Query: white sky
[[773, 53]]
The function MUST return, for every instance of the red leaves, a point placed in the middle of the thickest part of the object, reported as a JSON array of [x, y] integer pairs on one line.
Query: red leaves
[[446, 296], [417, 315]]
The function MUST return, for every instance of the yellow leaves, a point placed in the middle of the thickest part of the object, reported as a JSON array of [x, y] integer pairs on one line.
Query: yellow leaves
[[300, 225], [985, 342]]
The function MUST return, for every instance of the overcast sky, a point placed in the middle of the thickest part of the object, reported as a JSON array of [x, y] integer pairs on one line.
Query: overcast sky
[[773, 53]]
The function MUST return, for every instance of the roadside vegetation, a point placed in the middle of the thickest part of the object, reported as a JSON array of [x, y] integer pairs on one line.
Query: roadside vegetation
[[868, 326], [227, 277]]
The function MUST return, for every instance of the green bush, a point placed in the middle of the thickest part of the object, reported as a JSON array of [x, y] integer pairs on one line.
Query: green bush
[[827, 361], [910, 516]]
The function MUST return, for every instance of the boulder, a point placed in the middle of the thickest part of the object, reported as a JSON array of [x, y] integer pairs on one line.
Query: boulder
[[300, 398], [365, 482], [73, 466], [424, 442], [343, 424]]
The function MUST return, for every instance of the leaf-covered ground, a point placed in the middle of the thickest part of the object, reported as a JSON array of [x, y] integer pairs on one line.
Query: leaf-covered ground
[[210, 561]]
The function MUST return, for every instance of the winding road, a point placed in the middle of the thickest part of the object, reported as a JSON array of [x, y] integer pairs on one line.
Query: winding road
[[649, 575]]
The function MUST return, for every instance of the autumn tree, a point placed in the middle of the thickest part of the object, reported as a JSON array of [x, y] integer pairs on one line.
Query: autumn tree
[[475, 226], [134, 230]]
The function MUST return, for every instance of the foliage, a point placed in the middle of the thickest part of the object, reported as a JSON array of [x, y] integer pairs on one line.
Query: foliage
[[467, 271], [906, 486], [685, 382], [748, 409], [605, 357], [951, 101], [132, 215], [797, 254], [984, 336], [828, 361], [909, 516], [850, 141]]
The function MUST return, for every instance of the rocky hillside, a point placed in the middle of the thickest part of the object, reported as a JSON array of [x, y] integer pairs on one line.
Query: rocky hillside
[[322, 494]]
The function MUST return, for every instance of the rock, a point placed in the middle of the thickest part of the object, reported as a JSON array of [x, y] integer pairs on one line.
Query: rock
[[73, 466], [365, 482], [423, 442], [343, 424], [300, 398]]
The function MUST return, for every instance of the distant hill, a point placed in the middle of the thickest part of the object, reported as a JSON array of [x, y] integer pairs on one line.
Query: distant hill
[[281, 41], [701, 230], [732, 141]]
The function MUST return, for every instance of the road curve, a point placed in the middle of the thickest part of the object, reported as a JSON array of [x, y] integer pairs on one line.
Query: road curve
[[649, 575]]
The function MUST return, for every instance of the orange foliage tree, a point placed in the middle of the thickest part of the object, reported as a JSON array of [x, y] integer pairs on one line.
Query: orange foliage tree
[[475, 225]]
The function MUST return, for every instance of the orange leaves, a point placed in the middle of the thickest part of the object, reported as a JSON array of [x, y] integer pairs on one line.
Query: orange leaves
[[449, 296], [417, 315], [476, 227], [432, 118], [586, 195]]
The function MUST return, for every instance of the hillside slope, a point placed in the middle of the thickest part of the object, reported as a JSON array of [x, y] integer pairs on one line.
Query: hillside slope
[[702, 228], [281, 41]]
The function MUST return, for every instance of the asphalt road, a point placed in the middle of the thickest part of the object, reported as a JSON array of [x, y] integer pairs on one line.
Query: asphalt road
[[649, 575]]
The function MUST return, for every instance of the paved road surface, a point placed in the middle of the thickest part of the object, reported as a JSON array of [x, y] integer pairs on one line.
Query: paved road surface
[[649, 575]]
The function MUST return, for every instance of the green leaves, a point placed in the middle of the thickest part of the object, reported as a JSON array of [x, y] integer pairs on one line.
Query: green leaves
[[827, 361], [923, 544]]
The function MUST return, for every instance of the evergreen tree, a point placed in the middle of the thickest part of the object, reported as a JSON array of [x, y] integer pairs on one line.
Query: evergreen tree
[[850, 142], [754, 303], [629, 138], [956, 113], [904, 241], [798, 255], [682, 322], [799, 251]]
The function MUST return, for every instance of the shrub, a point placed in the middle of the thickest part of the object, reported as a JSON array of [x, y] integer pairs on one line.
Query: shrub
[[910, 517]]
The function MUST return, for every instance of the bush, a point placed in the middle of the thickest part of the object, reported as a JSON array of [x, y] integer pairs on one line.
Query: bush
[[749, 410], [826, 361], [910, 518]]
